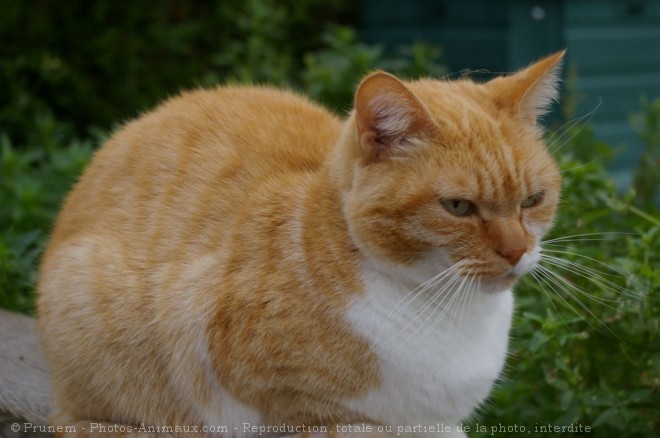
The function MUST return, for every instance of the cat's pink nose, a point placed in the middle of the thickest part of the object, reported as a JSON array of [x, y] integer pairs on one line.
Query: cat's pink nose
[[513, 255]]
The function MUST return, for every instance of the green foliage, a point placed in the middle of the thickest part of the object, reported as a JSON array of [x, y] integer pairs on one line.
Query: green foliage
[[647, 177], [33, 180], [588, 352], [103, 61], [332, 73]]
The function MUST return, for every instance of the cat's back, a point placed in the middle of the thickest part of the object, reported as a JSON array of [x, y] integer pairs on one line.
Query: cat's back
[[196, 156], [140, 243]]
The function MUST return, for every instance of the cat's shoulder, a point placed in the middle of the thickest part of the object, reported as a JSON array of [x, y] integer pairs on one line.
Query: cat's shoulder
[[254, 122], [258, 116]]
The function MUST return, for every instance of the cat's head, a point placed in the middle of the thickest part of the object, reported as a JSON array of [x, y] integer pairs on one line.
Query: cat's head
[[435, 173]]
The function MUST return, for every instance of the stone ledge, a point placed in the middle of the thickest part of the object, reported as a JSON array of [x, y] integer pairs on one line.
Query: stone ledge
[[25, 389]]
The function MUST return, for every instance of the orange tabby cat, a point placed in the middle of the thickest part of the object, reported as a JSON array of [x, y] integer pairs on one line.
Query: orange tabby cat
[[239, 259]]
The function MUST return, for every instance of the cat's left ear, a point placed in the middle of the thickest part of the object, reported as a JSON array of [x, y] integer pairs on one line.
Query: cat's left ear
[[530, 92], [391, 121]]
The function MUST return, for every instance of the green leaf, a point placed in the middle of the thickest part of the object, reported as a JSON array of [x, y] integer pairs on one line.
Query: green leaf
[[604, 416]]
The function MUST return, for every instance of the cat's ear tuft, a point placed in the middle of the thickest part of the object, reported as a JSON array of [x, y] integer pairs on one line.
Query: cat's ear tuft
[[391, 121], [531, 91]]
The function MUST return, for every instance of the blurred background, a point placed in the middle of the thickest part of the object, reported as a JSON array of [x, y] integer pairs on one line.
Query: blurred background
[[585, 349], [95, 63], [613, 58]]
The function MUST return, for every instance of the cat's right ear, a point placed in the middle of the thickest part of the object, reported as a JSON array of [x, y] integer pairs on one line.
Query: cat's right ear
[[530, 92], [391, 121]]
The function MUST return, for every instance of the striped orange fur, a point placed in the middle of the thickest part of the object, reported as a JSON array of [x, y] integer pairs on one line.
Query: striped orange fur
[[203, 270]]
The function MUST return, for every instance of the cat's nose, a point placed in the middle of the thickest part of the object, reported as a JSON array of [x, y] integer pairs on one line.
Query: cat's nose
[[513, 255]]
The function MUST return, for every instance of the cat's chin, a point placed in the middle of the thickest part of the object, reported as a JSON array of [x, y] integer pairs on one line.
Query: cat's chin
[[498, 284], [509, 278]]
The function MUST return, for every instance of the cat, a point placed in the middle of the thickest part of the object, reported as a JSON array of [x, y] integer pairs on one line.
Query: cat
[[240, 258]]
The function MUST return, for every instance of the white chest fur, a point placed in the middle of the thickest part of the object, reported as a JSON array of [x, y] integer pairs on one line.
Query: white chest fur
[[435, 367]]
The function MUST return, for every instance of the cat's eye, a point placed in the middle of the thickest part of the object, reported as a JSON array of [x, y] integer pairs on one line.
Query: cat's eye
[[532, 200], [458, 207]]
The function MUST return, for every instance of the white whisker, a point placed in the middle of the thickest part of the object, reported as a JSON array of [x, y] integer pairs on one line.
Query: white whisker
[[462, 290], [468, 297], [562, 265], [596, 272], [549, 281], [542, 282], [583, 268], [447, 292], [574, 237], [595, 160], [583, 121], [565, 128], [565, 285], [415, 293]]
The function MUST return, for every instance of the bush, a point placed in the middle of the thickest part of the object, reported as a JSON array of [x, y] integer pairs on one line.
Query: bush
[[33, 181], [647, 178], [103, 61], [585, 350], [332, 73]]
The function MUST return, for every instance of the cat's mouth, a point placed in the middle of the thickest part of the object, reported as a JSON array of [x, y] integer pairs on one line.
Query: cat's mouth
[[489, 280], [508, 278]]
